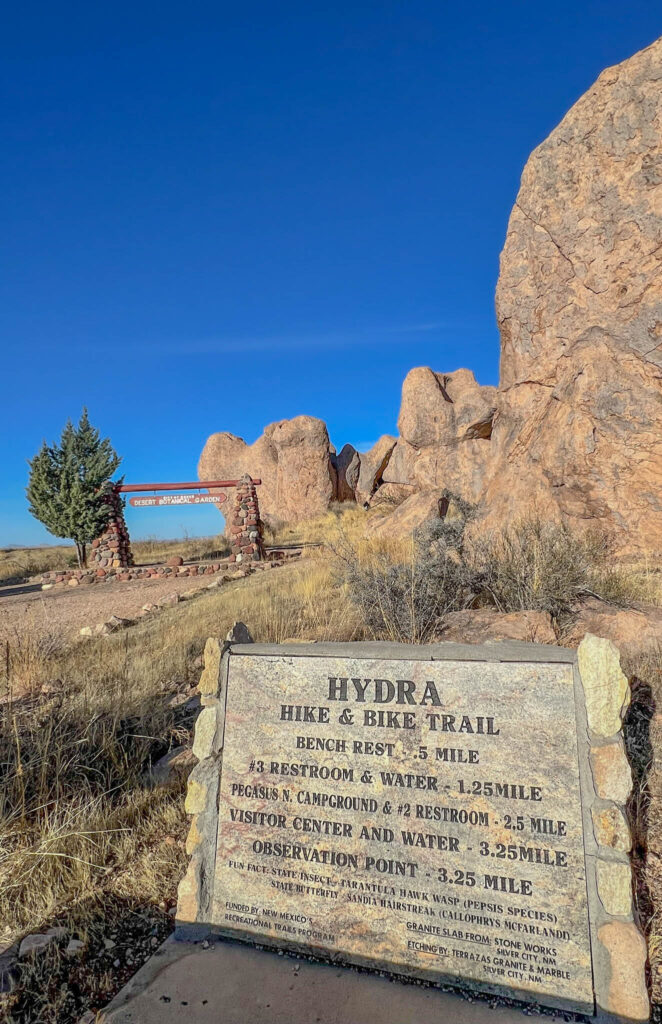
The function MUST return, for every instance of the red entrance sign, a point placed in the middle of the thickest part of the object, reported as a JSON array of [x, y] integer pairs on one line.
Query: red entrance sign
[[178, 499]]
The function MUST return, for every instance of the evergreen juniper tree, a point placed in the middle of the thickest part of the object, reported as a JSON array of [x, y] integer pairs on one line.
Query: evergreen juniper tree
[[68, 482]]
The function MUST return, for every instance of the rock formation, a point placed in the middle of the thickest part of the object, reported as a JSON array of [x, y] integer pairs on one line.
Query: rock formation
[[347, 464], [574, 430], [372, 465], [578, 429], [293, 459], [445, 424]]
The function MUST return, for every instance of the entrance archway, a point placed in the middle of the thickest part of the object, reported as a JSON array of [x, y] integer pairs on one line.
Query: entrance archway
[[112, 550]]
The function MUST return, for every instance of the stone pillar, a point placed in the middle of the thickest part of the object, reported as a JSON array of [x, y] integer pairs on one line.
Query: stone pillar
[[112, 550], [246, 527]]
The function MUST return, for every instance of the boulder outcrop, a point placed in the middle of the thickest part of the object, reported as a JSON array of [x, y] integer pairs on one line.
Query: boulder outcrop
[[293, 459], [347, 464], [578, 429], [574, 430], [372, 465], [409, 514]]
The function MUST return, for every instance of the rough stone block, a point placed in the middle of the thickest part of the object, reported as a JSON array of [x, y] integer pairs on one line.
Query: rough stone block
[[627, 993], [612, 774], [615, 887], [195, 835], [210, 679], [611, 828], [605, 686], [205, 743], [202, 787]]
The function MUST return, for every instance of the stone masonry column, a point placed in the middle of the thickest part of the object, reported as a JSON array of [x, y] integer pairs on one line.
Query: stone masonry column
[[112, 550], [246, 527]]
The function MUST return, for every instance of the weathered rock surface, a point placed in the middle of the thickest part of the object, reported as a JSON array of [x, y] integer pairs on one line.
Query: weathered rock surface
[[629, 629], [486, 625], [176, 762], [292, 458], [628, 997], [347, 464], [38, 941], [445, 424], [578, 428], [408, 516], [372, 465]]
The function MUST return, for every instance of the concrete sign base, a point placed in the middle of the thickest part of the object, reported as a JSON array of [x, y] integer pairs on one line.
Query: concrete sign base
[[235, 984]]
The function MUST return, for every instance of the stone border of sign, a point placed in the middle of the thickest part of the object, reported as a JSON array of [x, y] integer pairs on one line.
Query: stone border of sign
[[602, 696]]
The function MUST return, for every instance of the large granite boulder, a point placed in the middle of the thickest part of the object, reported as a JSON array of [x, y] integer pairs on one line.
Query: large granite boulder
[[578, 430], [445, 426], [292, 458]]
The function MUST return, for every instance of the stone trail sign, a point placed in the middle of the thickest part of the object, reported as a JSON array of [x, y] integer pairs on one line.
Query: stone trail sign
[[451, 813]]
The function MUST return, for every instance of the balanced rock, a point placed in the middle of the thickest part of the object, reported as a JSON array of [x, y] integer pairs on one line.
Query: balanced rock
[[578, 430]]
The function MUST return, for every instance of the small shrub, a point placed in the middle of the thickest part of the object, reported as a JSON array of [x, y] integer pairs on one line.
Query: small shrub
[[531, 565], [404, 598], [538, 565]]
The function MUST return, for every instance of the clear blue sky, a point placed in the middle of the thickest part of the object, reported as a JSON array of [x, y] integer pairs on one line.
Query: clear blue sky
[[219, 215]]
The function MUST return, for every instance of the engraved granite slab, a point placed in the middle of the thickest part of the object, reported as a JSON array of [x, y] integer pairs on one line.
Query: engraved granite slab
[[423, 817]]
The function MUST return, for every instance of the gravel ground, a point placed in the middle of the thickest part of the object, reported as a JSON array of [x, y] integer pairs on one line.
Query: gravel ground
[[65, 612]]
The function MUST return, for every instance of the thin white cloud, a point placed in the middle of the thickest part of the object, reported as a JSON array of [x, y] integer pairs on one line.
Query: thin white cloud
[[350, 338]]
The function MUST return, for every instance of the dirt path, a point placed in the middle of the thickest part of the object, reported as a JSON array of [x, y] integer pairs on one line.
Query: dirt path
[[63, 612]]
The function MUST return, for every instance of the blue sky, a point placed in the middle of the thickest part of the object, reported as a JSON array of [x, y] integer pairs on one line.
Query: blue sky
[[219, 215]]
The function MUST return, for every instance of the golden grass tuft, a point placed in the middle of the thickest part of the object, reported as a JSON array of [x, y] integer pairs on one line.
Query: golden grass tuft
[[18, 564]]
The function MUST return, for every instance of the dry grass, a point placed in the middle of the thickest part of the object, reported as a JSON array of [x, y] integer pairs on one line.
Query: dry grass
[[404, 587], [71, 766], [19, 564], [627, 583], [191, 549], [342, 517], [643, 730], [81, 832]]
